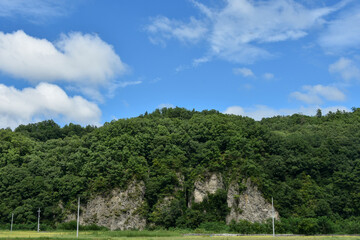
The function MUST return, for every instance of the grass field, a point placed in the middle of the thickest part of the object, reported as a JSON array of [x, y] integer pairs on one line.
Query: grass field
[[147, 235]]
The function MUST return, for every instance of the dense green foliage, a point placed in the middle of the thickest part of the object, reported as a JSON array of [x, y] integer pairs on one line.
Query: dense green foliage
[[310, 165]]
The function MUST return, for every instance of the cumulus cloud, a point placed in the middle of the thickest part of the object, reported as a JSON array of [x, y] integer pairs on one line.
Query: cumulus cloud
[[81, 59], [245, 72], [342, 33], [237, 32], [346, 68], [261, 111], [44, 101], [316, 94]]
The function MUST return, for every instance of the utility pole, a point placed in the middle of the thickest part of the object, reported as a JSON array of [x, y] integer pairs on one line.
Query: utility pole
[[78, 219], [12, 220], [273, 215], [38, 229]]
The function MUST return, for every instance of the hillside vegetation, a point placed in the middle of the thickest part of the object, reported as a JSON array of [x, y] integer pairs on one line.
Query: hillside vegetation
[[310, 165]]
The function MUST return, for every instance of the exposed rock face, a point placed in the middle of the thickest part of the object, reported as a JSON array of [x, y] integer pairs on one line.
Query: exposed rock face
[[121, 209], [162, 206], [118, 210], [206, 186], [248, 205], [181, 180]]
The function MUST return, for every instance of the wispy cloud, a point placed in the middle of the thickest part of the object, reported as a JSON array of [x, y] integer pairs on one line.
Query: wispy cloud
[[201, 60], [115, 86], [181, 68], [239, 31], [157, 79], [342, 33], [162, 29], [44, 101], [34, 10], [165, 105], [83, 60], [318, 93], [261, 111], [346, 68], [268, 76], [245, 72], [261, 22], [125, 84]]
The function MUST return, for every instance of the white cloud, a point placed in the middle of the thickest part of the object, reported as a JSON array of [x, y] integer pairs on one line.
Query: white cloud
[[237, 32], [158, 79], [34, 9], [125, 84], [163, 28], [115, 86], [307, 97], [268, 76], [260, 111], [43, 102], [346, 68], [236, 110], [245, 72], [316, 94], [165, 105], [203, 9], [257, 113], [181, 68], [201, 60], [241, 25], [342, 33], [81, 59], [248, 86]]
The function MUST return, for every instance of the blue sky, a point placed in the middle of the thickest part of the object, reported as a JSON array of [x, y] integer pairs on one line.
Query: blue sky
[[92, 61]]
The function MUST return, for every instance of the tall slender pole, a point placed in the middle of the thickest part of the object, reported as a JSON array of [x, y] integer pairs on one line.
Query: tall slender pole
[[273, 216], [38, 228], [12, 220], [78, 219]]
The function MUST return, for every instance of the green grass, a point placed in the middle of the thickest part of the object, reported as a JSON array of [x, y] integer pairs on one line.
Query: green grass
[[149, 235]]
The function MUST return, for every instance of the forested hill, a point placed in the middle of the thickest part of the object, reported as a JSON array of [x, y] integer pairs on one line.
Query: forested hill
[[310, 165]]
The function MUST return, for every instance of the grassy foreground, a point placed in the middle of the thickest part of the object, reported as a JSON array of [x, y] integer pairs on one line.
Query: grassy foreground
[[144, 235]]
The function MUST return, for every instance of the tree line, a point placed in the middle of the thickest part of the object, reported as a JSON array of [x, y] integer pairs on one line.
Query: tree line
[[310, 165]]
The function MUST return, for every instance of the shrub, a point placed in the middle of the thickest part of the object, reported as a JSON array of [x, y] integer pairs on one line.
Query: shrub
[[215, 227], [71, 225]]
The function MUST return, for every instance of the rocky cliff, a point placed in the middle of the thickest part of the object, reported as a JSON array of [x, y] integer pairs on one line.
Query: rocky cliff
[[247, 203], [202, 187], [120, 209]]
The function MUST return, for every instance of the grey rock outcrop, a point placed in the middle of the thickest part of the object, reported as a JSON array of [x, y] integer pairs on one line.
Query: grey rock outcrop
[[205, 186], [248, 205], [117, 210], [122, 209], [163, 205]]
